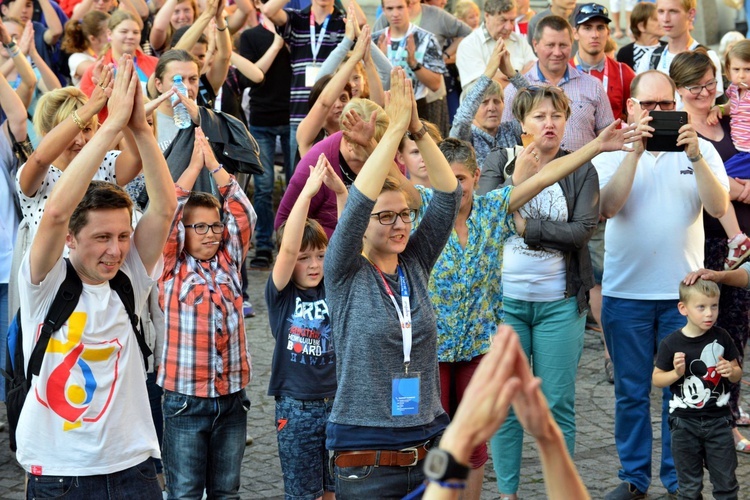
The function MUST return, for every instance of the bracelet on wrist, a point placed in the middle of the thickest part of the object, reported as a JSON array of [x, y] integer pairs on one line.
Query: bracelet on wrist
[[694, 159], [216, 169], [418, 134], [10, 46], [222, 29], [77, 120]]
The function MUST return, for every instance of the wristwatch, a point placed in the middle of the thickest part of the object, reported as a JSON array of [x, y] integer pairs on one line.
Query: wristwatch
[[416, 67], [418, 134], [440, 466]]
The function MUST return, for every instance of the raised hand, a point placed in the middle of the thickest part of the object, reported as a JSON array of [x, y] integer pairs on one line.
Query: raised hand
[[120, 103], [317, 175], [644, 130], [363, 41], [209, 159], [138, 120], [26, 44], [689, 138], [493, 64], [411, 49], [197, 160], [352, 26], [382, 45], [527, 164], [190, 105], [333, 181], [103, 89], [358, 131], [399, 99], [4, 35], [616, 138]]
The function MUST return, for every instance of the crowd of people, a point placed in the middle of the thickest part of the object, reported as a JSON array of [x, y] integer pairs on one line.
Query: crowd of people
[[471, 183]]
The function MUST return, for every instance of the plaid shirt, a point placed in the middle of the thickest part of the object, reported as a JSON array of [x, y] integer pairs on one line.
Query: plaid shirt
[[590, 111], [205, 351]]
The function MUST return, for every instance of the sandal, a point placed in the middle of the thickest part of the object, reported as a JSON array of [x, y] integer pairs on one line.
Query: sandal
[[744, 420], [742, 446]]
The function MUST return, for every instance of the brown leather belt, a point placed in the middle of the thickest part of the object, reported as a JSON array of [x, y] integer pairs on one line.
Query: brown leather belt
[[408, 457]]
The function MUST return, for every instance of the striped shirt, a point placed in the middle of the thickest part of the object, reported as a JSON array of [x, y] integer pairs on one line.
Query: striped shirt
[[590, 111], [205, 350], [739, 111], [296, 33]]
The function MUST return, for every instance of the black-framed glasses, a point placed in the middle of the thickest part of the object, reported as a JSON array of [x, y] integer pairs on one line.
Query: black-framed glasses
[[697, 89], [388, 217], [594, 9], [651, 105], [202, 228]]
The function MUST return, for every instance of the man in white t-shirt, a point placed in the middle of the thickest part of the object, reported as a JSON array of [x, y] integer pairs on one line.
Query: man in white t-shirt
[[654, 203], [475, 50], [86, 428], [676, 19]]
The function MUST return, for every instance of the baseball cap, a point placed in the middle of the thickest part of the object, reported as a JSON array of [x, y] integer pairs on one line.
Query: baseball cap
[[589, 11]]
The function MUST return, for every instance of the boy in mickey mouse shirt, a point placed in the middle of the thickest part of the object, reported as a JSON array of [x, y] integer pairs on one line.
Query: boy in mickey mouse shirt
[[698, 362]]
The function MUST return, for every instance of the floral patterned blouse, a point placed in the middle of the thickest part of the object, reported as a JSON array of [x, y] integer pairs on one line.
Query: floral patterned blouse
[[465, 286]]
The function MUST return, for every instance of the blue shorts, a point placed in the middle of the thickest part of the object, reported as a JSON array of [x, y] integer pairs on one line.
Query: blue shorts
[[301, 434]]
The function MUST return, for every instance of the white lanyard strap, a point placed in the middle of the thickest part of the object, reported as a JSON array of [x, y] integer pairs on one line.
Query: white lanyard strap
[[316, 43]]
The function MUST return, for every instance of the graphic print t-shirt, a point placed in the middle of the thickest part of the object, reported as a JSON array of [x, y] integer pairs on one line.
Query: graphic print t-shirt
[[304, 364], [87, 412], [702, 391]]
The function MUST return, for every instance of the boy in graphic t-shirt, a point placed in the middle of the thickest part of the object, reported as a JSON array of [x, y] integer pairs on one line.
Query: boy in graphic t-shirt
[[698, 363], [303, 370]]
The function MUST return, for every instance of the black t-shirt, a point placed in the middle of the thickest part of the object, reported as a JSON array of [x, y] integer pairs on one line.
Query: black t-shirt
[[304, 364], [702, 391], [269, 100]]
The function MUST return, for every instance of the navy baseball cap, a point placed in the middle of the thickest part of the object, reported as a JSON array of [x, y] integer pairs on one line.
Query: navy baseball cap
[[589, 11]]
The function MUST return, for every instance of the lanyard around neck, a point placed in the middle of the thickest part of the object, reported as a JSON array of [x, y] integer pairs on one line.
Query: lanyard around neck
[[404, 312], [316, 43]]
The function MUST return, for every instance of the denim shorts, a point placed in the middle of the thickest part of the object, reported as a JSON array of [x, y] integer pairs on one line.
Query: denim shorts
[[301, 434]]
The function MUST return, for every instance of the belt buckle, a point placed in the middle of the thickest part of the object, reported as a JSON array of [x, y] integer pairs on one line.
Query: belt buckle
[[416, 456]]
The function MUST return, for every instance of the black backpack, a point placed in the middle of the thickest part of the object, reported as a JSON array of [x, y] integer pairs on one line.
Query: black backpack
[[18, 379]]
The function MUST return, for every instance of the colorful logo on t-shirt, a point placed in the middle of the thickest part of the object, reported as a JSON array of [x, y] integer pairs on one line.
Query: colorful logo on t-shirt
[[83, 378], [310, 341]]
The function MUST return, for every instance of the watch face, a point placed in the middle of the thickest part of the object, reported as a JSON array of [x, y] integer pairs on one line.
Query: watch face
[[436, 464]]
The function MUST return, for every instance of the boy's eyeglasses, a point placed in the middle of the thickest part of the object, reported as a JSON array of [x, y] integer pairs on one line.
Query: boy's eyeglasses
[[202, 228], [388, 217], [651, 105], [697, 89]]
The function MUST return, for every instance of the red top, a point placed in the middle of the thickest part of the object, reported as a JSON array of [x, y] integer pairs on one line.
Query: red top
[[620, 76]]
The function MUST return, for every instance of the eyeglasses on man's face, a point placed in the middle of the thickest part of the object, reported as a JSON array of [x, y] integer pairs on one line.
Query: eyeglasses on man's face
[[202, 228], [651, 105], [388, 217]]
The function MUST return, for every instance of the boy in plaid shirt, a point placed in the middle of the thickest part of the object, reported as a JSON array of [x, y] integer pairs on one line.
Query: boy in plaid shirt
[[205, 364]]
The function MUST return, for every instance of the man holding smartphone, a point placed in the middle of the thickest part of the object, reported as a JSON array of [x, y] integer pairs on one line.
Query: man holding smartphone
[[654, 237]]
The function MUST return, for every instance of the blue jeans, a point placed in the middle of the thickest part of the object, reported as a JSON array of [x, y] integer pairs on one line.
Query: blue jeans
[[704, 440], [551, 334], [633, 330], [154, 399], [263, 199], [357, 483], [204, 442], [301, 434], [138, 482]]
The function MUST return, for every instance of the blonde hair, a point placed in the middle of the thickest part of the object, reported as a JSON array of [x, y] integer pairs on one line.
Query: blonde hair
[[56, 106], [464, 8], [364, 108], [700, 287]]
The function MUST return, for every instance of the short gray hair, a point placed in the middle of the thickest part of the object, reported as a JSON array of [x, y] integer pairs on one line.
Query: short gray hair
[[494, 7]]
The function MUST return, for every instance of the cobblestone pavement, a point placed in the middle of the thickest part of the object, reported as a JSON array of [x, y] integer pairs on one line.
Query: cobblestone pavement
[[595, 457]]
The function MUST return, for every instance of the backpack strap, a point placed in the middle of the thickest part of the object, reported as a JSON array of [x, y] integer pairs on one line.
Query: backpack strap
[[121, 284], [656, 56], [62, 307]]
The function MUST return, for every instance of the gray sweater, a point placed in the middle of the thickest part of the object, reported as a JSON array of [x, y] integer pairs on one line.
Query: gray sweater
[[366, 329]]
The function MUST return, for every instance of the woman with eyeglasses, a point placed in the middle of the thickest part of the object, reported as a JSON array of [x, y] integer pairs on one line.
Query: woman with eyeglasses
[[387, 410], [695, 76], [546, 270]]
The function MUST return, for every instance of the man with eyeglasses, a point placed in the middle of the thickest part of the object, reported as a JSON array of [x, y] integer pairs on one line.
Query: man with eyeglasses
[[476, 49], [590, 109], [676, 19], [654, 237]]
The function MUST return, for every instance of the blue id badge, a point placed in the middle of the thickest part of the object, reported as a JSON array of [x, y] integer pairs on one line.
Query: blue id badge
[[405, 394]]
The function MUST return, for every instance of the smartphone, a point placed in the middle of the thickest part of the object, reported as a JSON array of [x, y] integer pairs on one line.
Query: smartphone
[[666, 129]]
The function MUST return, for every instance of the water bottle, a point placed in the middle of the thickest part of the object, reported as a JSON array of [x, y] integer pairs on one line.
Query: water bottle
[[180, 113]]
